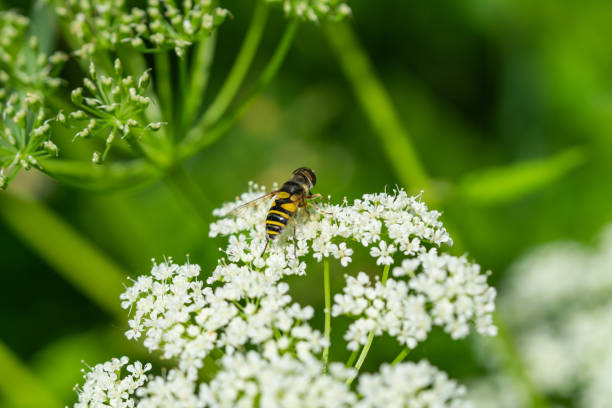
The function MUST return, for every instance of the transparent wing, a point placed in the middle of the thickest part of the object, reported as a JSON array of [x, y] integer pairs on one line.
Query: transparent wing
[[252, 202]]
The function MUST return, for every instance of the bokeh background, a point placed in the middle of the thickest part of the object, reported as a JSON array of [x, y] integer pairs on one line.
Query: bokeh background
[[507, 105]]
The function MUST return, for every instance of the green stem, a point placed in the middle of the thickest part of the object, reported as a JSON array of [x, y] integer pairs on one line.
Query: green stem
[[163, 75], [366, 348], [66, 251], [241, 66], [199, 136], [327, 332], [200, 72], [401, 356], [376, 103], [362, 356], [19, 386], [111, 176], [352, 358], [182, 96], [178, 179], [385, 274], [512, 364]]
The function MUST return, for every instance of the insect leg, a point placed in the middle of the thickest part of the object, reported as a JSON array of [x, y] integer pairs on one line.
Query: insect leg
[[294, 243], [313, 196], [266, 247], [316, 207]]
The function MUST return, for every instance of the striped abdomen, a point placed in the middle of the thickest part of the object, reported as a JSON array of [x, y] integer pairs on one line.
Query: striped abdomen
[[280, 213]]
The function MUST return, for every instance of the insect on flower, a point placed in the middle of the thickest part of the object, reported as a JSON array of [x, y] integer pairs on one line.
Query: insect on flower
[[292, 196]]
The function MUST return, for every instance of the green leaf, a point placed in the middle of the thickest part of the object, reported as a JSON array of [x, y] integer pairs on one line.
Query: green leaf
[[64, 249], [19, 387], [108, 177], [396, 141], [499, 185], [58, 364]]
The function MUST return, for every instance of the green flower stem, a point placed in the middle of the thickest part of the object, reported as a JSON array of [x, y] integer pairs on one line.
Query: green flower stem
[[18, 385], [200, 72], [327, 291], [366, 348], [352, 358], [401, 356], [512, 364], [241, 66], [111, 176], [385, 274], [178, 179], [177, 121], [376, 103], [163, 75], [63, 248], [362, 356], [199, 137]]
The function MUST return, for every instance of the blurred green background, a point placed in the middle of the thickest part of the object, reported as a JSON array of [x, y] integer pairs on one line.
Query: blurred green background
[[507, 104]]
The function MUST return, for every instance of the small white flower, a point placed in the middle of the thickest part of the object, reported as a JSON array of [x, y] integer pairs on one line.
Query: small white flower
[[383, 252], [410, 385], [342, 253]]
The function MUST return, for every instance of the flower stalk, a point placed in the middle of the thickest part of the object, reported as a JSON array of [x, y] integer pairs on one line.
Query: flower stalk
[[327, 295]]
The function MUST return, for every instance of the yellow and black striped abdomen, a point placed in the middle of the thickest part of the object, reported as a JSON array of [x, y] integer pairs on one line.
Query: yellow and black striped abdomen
[[279, 214]]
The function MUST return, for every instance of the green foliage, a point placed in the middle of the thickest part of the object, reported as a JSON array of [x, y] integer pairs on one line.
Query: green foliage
[[505, 184], [459, 108]]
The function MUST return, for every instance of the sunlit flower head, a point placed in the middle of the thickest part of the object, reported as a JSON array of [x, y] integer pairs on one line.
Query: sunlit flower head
[[238, 339]]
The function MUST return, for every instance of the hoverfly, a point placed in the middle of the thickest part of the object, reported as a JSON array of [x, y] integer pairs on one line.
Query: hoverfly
[[292, 196]]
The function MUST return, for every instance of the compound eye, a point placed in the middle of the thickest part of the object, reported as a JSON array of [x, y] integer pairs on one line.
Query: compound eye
[[312, 177]]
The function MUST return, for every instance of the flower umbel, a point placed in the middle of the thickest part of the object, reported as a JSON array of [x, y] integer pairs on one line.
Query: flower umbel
[[114, 109], [24, 135], [242, 326], [22, 65]]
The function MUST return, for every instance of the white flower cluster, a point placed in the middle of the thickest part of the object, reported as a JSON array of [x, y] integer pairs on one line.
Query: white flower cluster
[[438, 288], [242, 327], [382, 308], [404, 220], [106, 387], [273, 380], [410, 385], [107, 24], [448, 292], [558, 306], [172, 27], [185, 320], [22, 65], [269, 379], [113, 110], [315, 10]]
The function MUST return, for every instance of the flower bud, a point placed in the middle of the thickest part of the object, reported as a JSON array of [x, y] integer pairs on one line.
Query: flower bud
[[92, 70], [117, 66], [77, 96], [51, 148], [143, 81]]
